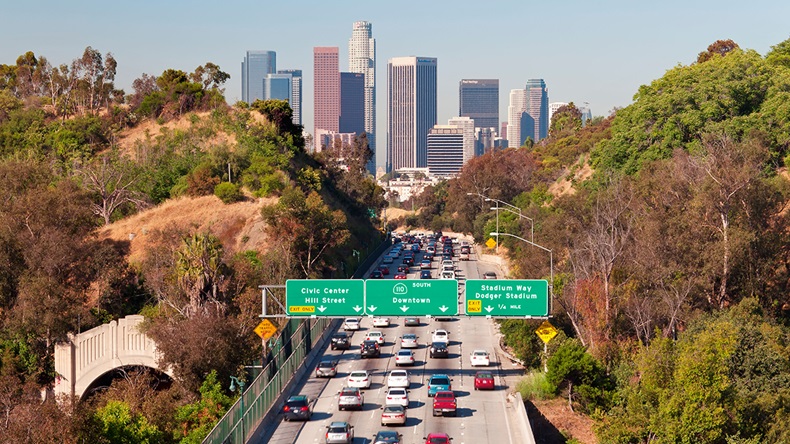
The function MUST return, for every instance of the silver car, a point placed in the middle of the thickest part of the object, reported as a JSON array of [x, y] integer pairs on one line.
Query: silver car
[[393, 415], [408, 340], [339, 433], [350, 398], [404, 357]]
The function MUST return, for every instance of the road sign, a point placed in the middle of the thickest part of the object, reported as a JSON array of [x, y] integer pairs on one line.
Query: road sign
[[546, 332], [507, 297], [491, 243], [265, 329], [411, 297], [325, 297]]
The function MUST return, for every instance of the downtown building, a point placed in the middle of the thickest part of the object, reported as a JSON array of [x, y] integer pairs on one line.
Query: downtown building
[[537, 107], [515, 113], [411, 110], [339, 99], [362, 59], [478, 99], [254, 69], [450, 147]]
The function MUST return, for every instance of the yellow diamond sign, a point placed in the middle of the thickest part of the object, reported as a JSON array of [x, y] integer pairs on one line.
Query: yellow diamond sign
[[265, 329], [546, 332], [491, 243]]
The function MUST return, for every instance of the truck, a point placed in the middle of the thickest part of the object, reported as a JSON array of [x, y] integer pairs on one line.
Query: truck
[[444, 403]]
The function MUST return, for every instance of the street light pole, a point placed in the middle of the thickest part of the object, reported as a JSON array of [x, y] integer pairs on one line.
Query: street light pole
[[532, 223], [234, 381], [551, 263]]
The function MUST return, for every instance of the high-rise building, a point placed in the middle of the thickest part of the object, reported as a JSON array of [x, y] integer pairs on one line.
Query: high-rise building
[[352, 102], [479, 100], [254, 69], [445, 150], [538, 107], [296, 93], [503, 131], [411, 110], [362, 59], [278, 86], [467, 126], [326, 89], [517, 107]]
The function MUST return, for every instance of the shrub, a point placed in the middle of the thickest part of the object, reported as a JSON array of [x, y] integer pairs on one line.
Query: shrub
[[228, 192], [534, 385]]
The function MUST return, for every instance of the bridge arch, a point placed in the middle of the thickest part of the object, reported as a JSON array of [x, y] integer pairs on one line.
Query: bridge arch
[[90, 355]]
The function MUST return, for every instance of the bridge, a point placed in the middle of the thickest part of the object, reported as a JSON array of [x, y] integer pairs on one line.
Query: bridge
[[91, 355]]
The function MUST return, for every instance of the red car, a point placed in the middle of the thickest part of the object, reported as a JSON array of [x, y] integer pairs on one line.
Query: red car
[[400, 275], [484, 381], [437, 438], [385, 270]]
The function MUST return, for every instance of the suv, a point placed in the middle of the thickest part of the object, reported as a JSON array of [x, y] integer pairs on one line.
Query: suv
[[439, 350], [339, 433], [297, 407], [444, 403], [350, 398], [437, 383], [370, 349], [326, 369], [340, 340]]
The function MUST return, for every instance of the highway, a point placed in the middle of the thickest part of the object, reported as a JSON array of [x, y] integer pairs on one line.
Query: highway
[[482, 416]]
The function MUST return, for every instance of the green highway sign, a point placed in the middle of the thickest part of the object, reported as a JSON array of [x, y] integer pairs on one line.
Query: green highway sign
[[411, 297], [507, 297], [325, 297]]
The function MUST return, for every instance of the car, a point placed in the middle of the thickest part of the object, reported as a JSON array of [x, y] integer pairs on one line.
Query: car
[[340, 340], [425, 264], [369, 349], [437, 438], [409, 340], [408, 261], [375, 335], [401, 276], [447, 274], [439, 350], [444, 403], [479, 357], [385, 270], [359, 379], [398, 378], [393, 415], [350, 398], [415, 247], [297, 407], [425, 274], [428, 256], [484, 380], [339, 433], [351, 324], [440, 335], [431, 249], [411, 322], [489, 275], [387, 437], [376, 274], [380, 321], [397, 396], [448, 263], [387, 260], [404, 357], [403, 269], [326, 369], [438, 382]]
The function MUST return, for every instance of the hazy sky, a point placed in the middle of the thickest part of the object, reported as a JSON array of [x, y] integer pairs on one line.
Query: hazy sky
[[598, 52]]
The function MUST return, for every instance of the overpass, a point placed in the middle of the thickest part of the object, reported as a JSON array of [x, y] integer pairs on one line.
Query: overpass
[[90, 355]]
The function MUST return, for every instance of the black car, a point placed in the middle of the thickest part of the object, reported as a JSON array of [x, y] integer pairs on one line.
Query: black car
[[425, 274], [297, 407], [439, 350], [341, 341], [370, 349]]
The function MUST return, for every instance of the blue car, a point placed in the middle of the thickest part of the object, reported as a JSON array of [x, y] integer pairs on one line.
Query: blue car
[[437, 383], [425, 274]]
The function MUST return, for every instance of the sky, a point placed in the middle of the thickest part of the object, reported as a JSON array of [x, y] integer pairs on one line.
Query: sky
[[588, 52]]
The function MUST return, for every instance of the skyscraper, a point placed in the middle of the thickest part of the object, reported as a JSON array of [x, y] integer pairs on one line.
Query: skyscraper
[[352, 102], [467, 127], [254, 68], [518, 105], [278, 86], [296, 93], [538, 107], [362, 59], [479, 100], [411, 109], [326, 89], [445, 150]]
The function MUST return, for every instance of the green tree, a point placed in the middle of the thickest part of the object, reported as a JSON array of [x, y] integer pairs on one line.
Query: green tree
[[583, 379], [119, 425], [197, 419]]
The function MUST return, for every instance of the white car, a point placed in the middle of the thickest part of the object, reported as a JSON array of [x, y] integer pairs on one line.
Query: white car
[[404, 357], [398, 378], [387, 260], [408, 340], [374, 335], [359, 379], [397, 396], [479, 357], [380, 321], [441, 336], [351, 324]]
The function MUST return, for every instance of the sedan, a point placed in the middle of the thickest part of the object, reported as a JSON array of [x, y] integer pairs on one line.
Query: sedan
[[484, 381], [425, 274], [425, 264], [401, 276], [439, 350], [339, 433], [351, 324], [437, 438], [385, 270], [359, 379], [379, 321], [341, 340], [398, 378], [409, 340], [489, 275], [393, 415], [387, 260], [404, 357], [375, 274], [441, 336], [326, 369], [297, 407], [411, 322], [397, 396], [387, 437], [479, 357], [403, 269], [374, 335]]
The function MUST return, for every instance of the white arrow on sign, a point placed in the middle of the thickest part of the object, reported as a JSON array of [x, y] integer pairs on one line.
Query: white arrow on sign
[[357, 308], [321, 308], [489, 308], [404, 308], [372, 308], [443, 308]]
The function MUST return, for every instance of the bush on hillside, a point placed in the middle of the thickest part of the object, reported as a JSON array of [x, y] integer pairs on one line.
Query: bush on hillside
[[228, 192]]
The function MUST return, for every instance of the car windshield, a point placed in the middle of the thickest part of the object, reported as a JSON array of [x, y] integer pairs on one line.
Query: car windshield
[[326, 364], [438, 345], [440, 381], [480, 353], [358, 374], [337, 429], [296, 403], [409, 336], [484, 375], [397, 391], [442, 395], [393, 409], [404, 353], [348, 392]]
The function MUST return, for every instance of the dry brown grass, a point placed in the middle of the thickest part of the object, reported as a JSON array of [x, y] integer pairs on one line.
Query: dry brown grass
[[150, 128], [564, 185]]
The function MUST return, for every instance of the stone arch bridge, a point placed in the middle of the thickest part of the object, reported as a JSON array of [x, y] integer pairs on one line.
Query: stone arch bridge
[[93, 354]]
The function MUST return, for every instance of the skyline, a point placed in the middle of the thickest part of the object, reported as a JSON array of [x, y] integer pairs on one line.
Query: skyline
[[597, 54]]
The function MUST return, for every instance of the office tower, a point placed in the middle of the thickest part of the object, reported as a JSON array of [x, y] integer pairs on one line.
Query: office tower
[[445, 150], [479, 100], [362, 59], [467, 125], [352, 102], [503, 131], [254, 68], [411, 110], [326, 89], [517, 107], [296, 93], [538, 107], [278, 86], [586, 114], [553, 107], [485, 140]]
